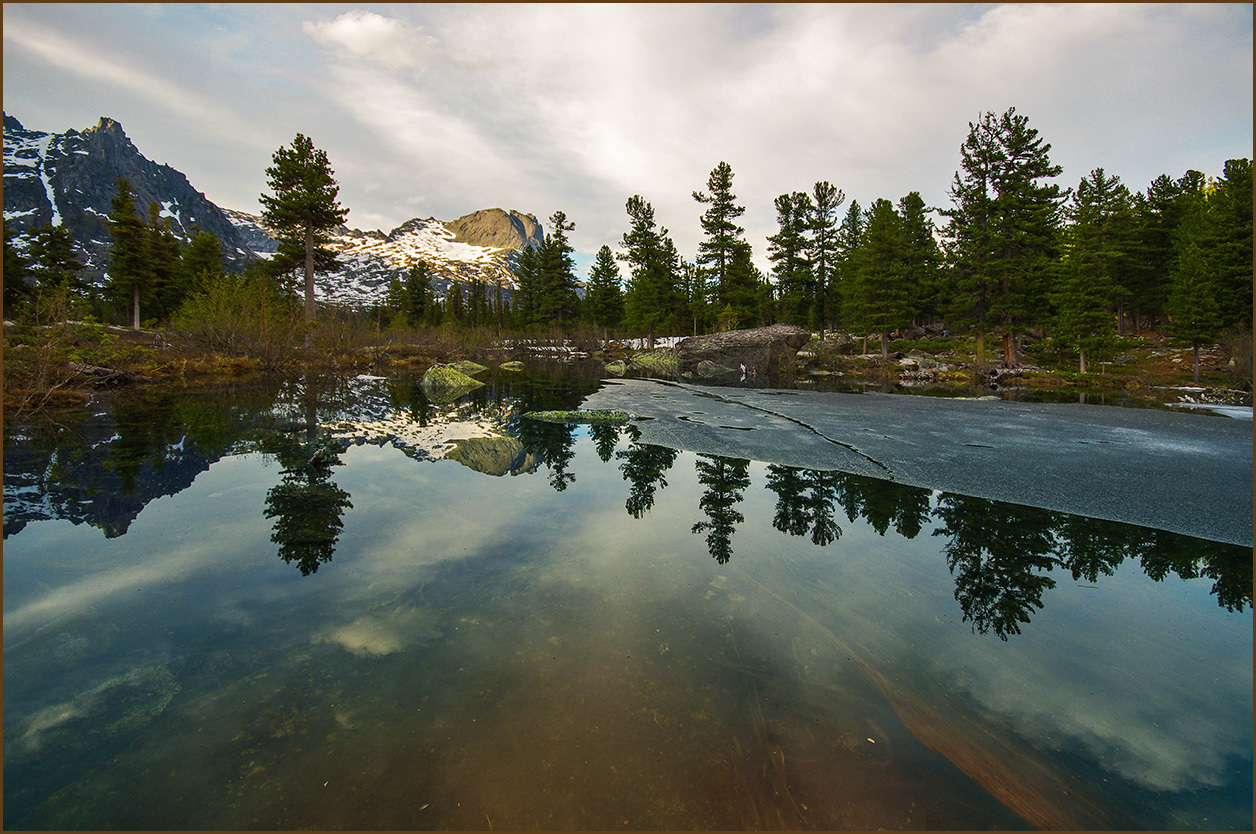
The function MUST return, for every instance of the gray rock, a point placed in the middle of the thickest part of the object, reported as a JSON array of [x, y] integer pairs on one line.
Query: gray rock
[[761, 351]]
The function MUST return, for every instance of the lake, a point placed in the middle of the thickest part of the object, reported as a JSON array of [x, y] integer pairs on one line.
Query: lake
[[334, 603]]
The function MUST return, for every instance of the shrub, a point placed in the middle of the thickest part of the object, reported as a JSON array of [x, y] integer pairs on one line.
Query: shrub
[[243, 316]]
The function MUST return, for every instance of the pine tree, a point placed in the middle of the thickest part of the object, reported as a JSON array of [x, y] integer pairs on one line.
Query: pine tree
[[921, 256], [303, 208], [823, 251], [17, 291], [165, 253], [53, 262], [653, 303], [882, 300], [1029, 214], [1002, 228], [1194, 310], [723, 249], [787, 251], [527, 287], [1230, 238], [849, 235], [130, 271], [604, 300], [1096, 244], [557, 298], [418, 297], [201, 263]]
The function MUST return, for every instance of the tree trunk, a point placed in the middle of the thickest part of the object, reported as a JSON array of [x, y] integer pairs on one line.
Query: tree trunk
[[885, 347], [1196, 364], [981, 341], [1083, 353], [135, 307], [1120, 318], [309, 272]]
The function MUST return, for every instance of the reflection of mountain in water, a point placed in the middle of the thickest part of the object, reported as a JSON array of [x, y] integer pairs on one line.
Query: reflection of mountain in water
[[1005, 559], [139, 445]]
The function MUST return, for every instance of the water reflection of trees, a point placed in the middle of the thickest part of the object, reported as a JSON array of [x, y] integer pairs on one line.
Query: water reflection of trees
[[643, 466], [724, 479], [307, 506], [1004, 557]]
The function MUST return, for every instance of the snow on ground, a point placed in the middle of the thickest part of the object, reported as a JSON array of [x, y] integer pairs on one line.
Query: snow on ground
[[1238, 412]]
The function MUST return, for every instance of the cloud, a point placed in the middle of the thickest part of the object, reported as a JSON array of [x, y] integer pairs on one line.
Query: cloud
[[92, 62], [386, 41]]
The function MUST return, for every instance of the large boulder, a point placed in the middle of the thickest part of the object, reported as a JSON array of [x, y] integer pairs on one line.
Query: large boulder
[[760, 351]]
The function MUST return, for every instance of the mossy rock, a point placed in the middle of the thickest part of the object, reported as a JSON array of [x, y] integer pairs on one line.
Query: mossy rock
[[443, 384], [594, 416], [658, 361], [618, 367], [512, 365], [466, 366]]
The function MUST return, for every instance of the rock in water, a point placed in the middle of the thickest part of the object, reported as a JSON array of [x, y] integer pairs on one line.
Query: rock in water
[[466, 366], [661, 361], [99, 719], [760, 351], [442, 384]]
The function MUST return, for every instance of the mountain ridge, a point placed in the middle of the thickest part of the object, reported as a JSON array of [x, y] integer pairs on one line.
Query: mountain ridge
[[69, 179]]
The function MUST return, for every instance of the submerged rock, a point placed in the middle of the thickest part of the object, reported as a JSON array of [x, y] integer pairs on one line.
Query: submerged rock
[[580, 416], [442, 384], [661, 361], [513, 365], [466, 366], [118, 707]]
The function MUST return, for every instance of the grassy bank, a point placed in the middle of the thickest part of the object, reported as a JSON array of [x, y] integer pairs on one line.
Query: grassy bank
[[60, 364]]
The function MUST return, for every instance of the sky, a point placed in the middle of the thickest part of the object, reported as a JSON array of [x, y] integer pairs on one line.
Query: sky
[[437, 110]]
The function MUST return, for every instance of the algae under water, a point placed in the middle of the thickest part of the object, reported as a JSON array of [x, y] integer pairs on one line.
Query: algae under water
[[330, 603]]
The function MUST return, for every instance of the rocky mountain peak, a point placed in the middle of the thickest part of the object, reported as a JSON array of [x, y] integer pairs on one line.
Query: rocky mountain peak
[[498, 228]]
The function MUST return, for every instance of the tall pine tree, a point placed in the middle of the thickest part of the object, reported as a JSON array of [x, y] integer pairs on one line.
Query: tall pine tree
[[787, 250], [823, 250], [882, 300], [653, 303], [130, 272], [604, 300], [725, 252], [303, 208]]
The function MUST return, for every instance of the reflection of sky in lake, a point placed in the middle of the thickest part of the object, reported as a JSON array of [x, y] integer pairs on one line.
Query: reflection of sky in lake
[[1146, 681]]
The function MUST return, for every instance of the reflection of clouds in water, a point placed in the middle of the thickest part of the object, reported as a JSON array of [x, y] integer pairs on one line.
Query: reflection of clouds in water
[[160, 563], [1141, 703], [376, 636]]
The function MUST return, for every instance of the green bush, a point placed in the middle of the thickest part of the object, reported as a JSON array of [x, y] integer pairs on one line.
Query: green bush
[[243, 316]]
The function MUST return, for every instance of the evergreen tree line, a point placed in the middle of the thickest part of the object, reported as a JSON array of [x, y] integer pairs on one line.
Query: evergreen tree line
[[1016, 254], [151, 271]]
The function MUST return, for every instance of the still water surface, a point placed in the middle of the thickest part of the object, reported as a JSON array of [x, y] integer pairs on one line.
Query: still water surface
[[558, 627]]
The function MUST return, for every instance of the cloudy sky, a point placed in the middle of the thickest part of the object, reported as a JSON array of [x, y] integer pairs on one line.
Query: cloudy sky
[[439, 110]]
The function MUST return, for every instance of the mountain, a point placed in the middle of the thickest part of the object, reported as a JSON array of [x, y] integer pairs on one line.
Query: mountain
[[483, 245], [68, 179]]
